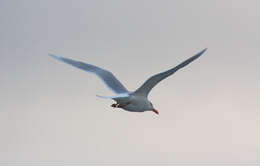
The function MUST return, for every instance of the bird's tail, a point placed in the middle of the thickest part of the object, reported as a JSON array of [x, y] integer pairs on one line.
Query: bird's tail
[[113, 97]]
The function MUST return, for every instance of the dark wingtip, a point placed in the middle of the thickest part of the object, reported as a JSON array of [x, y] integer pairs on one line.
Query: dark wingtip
[[53, 56], [56, 57], [201, 52]]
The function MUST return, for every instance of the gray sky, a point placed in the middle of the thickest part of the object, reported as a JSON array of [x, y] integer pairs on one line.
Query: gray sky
[[209, 111]]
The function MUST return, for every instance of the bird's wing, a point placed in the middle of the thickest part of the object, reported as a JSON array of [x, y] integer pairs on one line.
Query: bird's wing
[[122, 95], [106, 76], [152, 81]]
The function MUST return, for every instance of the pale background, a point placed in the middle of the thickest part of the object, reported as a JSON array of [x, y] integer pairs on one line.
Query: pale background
[[209, 111]]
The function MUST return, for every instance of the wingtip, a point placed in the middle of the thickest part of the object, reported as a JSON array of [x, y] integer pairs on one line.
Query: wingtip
[[205, 49], [54, 56], [201, 52], [51, 55]]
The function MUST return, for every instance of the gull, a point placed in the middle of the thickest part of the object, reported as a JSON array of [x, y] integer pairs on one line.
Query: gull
[[135, 101]]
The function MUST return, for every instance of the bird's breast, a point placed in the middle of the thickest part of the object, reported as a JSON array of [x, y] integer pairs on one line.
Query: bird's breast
[[137, 104]]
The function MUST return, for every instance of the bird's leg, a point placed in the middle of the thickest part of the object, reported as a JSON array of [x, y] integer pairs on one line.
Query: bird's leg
[[115, 105], [123, 105]]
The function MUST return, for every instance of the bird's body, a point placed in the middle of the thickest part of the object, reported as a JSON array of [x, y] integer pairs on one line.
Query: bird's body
[[130, 101], [133, 103]]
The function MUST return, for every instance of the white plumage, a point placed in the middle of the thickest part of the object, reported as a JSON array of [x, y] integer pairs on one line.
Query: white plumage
[[131, 101]]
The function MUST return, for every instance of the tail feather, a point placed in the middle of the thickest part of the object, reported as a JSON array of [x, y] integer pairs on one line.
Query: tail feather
[[113, 97], [105, 97]]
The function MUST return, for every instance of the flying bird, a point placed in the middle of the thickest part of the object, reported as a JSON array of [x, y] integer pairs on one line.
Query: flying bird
[[136, 101]]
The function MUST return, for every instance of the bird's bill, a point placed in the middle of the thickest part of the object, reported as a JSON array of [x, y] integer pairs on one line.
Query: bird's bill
[[154, 110]]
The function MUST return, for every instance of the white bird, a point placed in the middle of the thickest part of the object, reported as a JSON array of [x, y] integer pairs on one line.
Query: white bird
[[131, 101]]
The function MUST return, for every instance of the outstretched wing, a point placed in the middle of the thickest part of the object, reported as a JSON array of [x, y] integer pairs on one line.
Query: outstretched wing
[[152, 81], [106, 76]]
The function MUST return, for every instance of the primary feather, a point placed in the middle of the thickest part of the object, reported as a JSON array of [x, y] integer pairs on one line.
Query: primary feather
[[154, 80], [106, 76], [136, 101]]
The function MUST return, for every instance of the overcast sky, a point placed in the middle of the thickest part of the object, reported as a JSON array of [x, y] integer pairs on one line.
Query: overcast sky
[[209, 111]]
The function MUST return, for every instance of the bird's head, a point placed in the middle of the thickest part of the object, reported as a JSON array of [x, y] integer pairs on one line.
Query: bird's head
[[151, 108]]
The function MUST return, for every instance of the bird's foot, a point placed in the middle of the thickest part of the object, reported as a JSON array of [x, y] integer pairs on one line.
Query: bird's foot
[[123, 105], [115, 105]]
